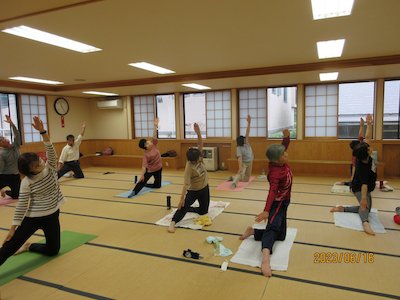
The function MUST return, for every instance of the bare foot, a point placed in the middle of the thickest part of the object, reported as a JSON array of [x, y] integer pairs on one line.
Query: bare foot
[[171, 228], [265, 265], [24, 248], [337, 209], [248, 232], [2, 193], [368, 229]]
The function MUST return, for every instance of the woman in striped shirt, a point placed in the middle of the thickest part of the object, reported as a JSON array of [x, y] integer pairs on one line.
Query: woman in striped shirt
[[40, 198]]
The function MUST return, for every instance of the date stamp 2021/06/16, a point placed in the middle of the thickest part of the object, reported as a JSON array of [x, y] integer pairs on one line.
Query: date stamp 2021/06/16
[[343, 257]]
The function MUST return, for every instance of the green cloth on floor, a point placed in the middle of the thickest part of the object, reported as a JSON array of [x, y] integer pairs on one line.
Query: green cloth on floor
[[23, 263]]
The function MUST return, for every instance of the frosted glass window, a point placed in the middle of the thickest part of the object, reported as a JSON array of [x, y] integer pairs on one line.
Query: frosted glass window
[[252, 102], [310, 131], [218, 113], [321, 110], [32, 105], [321, 101], [310, 101], [195, 112], [144, 116]]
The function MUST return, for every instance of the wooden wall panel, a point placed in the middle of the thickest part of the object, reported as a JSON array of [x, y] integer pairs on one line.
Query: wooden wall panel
[[316, 150]]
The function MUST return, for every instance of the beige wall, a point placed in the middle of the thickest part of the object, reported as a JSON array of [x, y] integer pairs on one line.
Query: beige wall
[[79, 111], [100, 124]]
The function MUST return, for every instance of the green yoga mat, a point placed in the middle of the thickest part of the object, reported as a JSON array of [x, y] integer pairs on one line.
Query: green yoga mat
[[23, 263]]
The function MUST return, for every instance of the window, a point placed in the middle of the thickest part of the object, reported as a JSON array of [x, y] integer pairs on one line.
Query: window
[[32, 105], [195, 112], [277, 104], [391, 110], [253, 102], [166, 113], [216, 122], [356, 100], [282, 108], [335, 109], [144, 115], [218, 114], [321, 110], [8, 106]]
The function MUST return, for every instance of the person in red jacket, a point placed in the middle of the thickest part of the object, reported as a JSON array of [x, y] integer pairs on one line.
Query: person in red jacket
[[280, 180]]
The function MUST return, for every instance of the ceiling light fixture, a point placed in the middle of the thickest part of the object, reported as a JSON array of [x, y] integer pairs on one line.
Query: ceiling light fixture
[[324, 9], [328, 76], [49, 38], [100, 93], [36, 80], [329, 49], [152, 68], [196, 86]]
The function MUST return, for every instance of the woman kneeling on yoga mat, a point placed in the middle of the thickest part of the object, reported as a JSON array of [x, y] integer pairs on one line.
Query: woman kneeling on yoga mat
[[40, 198]]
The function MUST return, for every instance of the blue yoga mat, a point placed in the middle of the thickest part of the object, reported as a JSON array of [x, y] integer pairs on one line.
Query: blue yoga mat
[[145, 190]]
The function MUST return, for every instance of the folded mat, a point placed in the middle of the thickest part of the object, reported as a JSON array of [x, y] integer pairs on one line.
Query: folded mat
[[226, 186], [249, 252], [188, 221], [144, 190], [23, 263], [353, 221]]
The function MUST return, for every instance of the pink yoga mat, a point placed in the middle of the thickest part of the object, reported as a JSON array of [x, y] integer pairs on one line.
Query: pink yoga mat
[[7, 200], [226, 186]]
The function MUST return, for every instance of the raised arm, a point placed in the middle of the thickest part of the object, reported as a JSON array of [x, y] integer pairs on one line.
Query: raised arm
[[199, 138], [156, 122], [83, 128], [368, 134], [248, 127], [361, 130], [16, 133], [286, 138], [51, 152]]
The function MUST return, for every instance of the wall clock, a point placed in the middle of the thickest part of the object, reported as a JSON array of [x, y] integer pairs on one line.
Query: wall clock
[[61, 106]]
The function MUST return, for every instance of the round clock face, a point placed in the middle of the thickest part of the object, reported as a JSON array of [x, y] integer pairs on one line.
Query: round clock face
[[61, 106]]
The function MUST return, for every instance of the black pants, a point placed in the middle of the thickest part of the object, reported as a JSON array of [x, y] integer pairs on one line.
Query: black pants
[[13, 181], [73, 166], [51, 227], [203, 196], [141, 184], [276, 226]]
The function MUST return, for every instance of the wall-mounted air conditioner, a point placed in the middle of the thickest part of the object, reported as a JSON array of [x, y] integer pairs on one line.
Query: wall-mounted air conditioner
[[110, 104]]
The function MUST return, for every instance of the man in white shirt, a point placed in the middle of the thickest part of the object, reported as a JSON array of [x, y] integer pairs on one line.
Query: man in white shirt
[[69, 158]]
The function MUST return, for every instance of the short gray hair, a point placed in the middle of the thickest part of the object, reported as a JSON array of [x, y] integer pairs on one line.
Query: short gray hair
[[274, 152]]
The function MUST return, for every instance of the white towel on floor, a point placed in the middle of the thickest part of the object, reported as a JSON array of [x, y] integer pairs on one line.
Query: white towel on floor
[[249, 252], [340, 189], [353, 221], [215, 208]]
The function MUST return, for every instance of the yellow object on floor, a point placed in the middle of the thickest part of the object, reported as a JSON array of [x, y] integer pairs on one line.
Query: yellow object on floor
[[203, 220]]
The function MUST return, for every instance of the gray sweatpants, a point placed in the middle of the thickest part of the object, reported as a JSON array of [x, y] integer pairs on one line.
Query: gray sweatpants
[[357, 209], [245, 173]]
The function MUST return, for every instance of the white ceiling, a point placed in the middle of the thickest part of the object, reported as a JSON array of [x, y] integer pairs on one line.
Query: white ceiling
[[222, 44]]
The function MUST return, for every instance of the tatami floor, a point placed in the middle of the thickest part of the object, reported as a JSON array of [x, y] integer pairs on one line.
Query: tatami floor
[[132, 258]]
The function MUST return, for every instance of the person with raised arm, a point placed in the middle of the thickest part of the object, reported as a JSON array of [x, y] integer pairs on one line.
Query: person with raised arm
[[39, 203], [195, 186]]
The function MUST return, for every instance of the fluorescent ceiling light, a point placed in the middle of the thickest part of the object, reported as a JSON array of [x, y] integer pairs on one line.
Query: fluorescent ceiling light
[[329, 49], [36, 80], [100, 93], [49, 38], [152, 68], [323, 9], [328, 76], [196, 86]]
